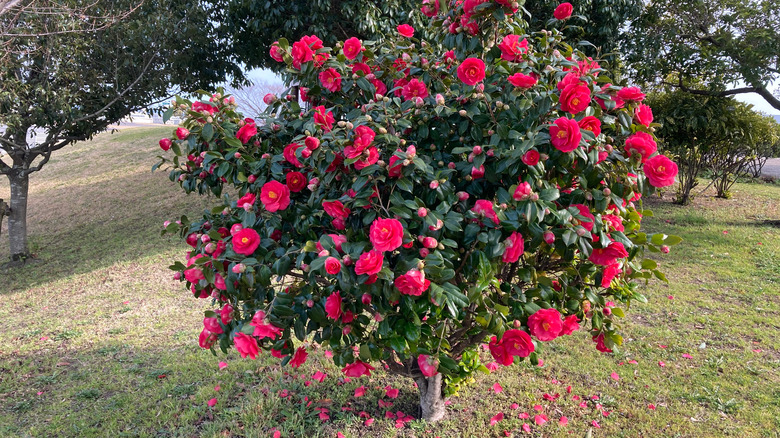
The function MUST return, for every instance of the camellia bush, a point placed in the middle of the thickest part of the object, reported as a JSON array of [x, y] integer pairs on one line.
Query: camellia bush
[[423, 202]]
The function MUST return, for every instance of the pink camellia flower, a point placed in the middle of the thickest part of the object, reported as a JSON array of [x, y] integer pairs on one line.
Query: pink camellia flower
[[609, 255], [330, 80], [369, 263], [570, 325], [333, 305], [522, 192], [430, 242], [512, 48], [609, 274], [299, 358], [545, 324], [219, 282], [165, 143], [182, 133], [565, 134], [641, 144], [276, 52], [246, 345], [275, 196], [531, 158], [358, 369], [246, 132], [430, 8], [206, 339], [631, 93], [338, 239], [484, 208], [643, 114], [405, 30], [336, 209], [269, 98], [332, 265], [585, 211], [226, 314], [263, 327], [514, 247], [429, 365], [517, 343], [471, 71], [563, 11], [412, 283], [575, 95], [592, 124], [323, 118], [520, 80], [352, 48], [413, 89], [246, 241], [312, 143], [386, 234], [660, 171], [248, 198]]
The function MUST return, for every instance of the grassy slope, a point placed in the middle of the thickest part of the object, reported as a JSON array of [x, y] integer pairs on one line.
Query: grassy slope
[[99, 341]]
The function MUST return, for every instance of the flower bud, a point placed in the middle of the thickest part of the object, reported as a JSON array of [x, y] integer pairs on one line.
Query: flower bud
[[451, 165], [239, 268], [366, 299], [430, 242], [463, 113], [347, 260], [205, 238], [439, 100], [235, 228], [177, 276], [549, 237], [310, 303], [462, 196], [424, 252], [346, 330], [607, 191], [422, 212], [664, 249], [581, 231], [324, 253], [420, 265], [433, 185]]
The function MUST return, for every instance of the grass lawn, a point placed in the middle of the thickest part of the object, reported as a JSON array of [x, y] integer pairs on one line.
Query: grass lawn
[[98, 340]]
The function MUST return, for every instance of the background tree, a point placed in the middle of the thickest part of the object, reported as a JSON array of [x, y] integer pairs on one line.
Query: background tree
[[767, 145], [72, 84], [249, 98], [708, 47]]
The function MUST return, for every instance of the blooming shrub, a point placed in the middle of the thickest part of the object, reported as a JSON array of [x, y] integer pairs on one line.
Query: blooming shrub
[[423, 202]]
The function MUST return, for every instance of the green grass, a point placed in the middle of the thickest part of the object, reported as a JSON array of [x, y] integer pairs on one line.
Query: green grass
[[98, 340]]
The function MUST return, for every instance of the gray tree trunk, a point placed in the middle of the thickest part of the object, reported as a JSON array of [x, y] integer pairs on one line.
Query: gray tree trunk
[[432, 407], [17, 219]]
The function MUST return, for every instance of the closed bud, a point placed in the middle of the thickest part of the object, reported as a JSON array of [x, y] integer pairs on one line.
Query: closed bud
[[433, 185], [420, 265], [424, 252], [516, 324], [477, 150], [589, 196], [324, 253], [462, 196], [439, 100], [239, 268], [607, 191], [451, 165], [177, 276], [462, 113], [581, 231], [422, 212], [366, 299], [549, 237], [664, 249]]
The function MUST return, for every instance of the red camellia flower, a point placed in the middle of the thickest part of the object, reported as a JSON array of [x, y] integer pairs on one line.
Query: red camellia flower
[[631, 93], [591, 124], [202, 107], [296, 181], [206, 339], [471, 71], [182, 133], [301, 52], [405, 30], [289, 154], [332, 265], [312, 143], [323, 118], [414, 88], [520, 80], [263, 327], [248, 198], [600, 345], [335, 209], [333, 305], [429, 365], [331, 80], [246, 345], [563, 11], [499, 353], [609, 255], [642, 144], [643, 114], [575, 95], [360, 67], [276, 52], [212, 325], [570, 325], [299, 357], [358, 369], [386, 234], [412, 283], [531, 158], [517, 343], [585, 211], [430, 8], [379, 86], [514, 247], [226, 314], [609, 274], [660, 171], [246, 241], [247, 131], [352, 48], [165, 144], [565, 134], [275, 196], [545, 324], [365, 161], [512, 48], [369, 263], [484, 208]]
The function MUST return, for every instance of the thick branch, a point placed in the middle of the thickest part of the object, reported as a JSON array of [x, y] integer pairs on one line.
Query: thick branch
[[761, 91]]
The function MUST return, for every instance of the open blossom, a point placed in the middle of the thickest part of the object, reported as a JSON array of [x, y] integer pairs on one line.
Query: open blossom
[[484, 208], [575, 94], [352, 48], [333, 305], [414, 88], [600, 345], [332, 265], [565, 134], [323, 118], [521, 80], [643, 114], [513, 343], [206, 339], [513, 48], [609, 255], [429, 365], [386, 234], [290, 156], [563, 11], [585, 211], [660, 171], [331, 80], [514, 247], [545, 324], [522, 192], [369, 263], [430, 8], [609, 274], [412, 283], [641, 144], [471, 71], [336, 209], [263, 327], [275, 196], [592, 124], [531, 158], [246, 132], [296, 181], [570, 325], [405, 30], [631, 93], [246, 241], [357, 369], [246, 345]]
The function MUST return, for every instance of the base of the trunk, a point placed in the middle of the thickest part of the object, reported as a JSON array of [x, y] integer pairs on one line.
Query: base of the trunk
[[432, 407]]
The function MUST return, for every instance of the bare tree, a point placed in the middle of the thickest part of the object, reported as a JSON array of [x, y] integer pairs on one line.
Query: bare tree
[[250, 98]]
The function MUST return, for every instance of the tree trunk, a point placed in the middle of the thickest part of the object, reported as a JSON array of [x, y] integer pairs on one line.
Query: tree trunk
[[432, 406], [17, 219]]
